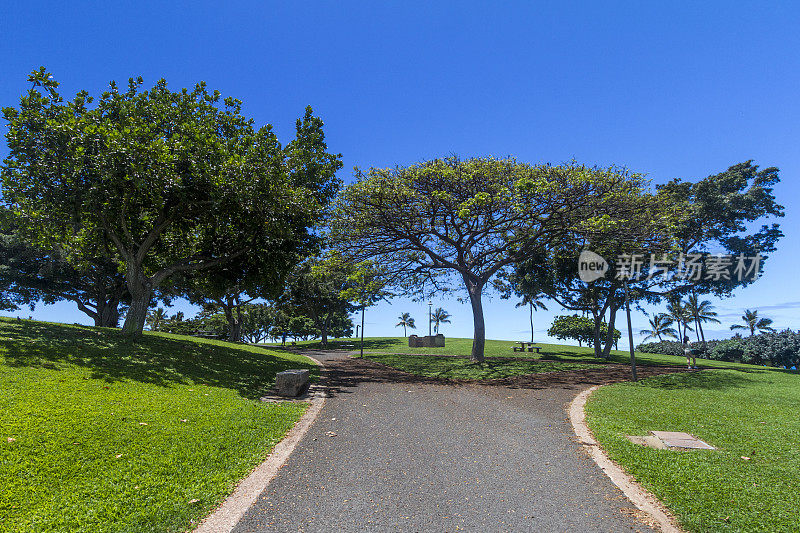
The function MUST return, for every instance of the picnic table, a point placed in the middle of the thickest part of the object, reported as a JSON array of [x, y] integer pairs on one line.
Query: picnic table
[[523, 345]]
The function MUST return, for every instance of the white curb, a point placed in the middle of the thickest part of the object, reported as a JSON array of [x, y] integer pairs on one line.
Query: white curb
[[227, 515], [637, 494]]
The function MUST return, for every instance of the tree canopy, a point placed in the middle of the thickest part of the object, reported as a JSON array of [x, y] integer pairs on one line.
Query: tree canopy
[[450, 223], [175, 181]]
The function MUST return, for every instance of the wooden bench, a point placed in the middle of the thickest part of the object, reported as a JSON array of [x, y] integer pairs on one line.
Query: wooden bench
[[523, 345]]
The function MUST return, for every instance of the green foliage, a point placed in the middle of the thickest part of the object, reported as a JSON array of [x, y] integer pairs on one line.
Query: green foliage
[[112, 436], [439, 316], [173, 181], [316, 289], [449, 223], [753, 323], [406, 321], [576, 327], [29, 274], [659, 327], [717, 214], [720, 214], [779, 349], [663, 347]]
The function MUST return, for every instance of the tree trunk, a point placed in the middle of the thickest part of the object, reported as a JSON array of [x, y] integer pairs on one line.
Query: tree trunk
[[141, 294], [598, 352], [610, 332], [235, 330], [324, 331], [108, 314], [234, 321], [475, 291], [703, 337], [531, 306]]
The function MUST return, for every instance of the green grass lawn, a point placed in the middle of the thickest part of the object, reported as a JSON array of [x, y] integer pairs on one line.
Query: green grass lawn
[[98, 434], [394, 351], [744, 413], [460, 368]]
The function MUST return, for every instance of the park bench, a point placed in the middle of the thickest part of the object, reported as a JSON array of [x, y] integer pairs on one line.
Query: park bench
[[523, 345]]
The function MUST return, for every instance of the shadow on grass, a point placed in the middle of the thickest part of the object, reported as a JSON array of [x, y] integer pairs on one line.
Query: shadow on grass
[[153, 359], [707, 379], [341, 344]]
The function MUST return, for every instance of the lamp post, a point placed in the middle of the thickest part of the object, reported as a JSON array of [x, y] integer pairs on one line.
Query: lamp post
[[430, 318], [362, 330], [630, 331]]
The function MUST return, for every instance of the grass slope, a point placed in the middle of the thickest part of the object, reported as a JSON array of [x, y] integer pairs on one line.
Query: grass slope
[[460, 368], [744, 413], [500, 363], [98, 434]]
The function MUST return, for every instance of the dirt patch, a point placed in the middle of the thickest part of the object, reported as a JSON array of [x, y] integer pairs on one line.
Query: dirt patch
[[351, 371]]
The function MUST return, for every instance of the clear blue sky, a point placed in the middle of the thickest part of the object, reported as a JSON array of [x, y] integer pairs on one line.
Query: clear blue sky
[[670, 91]]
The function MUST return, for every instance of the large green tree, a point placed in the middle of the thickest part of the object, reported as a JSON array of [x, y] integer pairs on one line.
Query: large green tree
[[450, 223], [29, 274], [316, 289], [576, 327], [177, 181], [718, 214]]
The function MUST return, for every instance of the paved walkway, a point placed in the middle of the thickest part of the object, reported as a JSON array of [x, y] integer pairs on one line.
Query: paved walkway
[[393, 452]]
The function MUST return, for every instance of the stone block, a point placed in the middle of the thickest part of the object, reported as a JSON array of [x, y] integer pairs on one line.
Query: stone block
[[291, 382], [428, 341]]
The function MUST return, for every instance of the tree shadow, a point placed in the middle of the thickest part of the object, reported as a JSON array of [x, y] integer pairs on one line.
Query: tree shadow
[[155, 359], [345, 374], [347, 345]]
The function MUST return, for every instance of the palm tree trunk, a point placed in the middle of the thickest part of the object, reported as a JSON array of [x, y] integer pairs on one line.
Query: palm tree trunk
[[531, 306], [703, 336]]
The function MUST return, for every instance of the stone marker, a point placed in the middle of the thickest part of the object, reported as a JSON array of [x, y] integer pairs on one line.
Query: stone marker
[[428, 341], [291, 382]]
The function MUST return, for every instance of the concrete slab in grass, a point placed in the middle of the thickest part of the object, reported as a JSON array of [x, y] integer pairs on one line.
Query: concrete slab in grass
[[679, 439]]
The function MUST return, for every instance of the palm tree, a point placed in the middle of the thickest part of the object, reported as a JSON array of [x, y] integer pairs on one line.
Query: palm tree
[[660, 326], [678, 313], [702, 312], [440, 316], [406, 321], [155, 318], [753, 323], [534, 304]]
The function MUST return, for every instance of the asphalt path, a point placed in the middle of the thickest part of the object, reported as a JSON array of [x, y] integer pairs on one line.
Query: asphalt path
[[394, 452]]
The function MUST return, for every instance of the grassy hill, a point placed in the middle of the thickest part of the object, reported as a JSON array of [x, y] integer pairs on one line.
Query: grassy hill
[[501, 360], [99, 434]]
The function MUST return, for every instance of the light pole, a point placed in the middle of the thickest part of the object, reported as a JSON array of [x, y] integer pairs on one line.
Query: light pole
[[630, 331], [362, 330], [430, 305]]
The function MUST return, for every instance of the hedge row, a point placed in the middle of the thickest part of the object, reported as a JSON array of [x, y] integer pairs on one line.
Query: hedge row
[[780, 349]]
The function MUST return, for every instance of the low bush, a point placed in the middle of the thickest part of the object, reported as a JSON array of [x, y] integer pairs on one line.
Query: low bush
[[662, 347], [780, 349]]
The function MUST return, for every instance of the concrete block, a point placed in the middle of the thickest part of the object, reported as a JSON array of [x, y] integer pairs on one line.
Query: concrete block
[[291, 382]]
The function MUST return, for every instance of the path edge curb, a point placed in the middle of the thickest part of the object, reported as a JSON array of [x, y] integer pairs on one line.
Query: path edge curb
[[638, 495], [225, 517]]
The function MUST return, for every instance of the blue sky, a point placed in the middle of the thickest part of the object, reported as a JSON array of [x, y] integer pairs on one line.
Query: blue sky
[[672, 91]]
